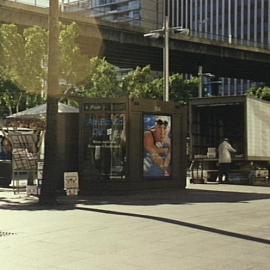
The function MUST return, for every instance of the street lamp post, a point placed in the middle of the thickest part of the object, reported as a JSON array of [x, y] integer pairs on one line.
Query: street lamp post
[[229, 23], [165, 33], [200, 88], [166, 59]]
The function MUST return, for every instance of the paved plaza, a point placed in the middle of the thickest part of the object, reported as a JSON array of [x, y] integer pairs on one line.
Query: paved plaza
[[205, 227]]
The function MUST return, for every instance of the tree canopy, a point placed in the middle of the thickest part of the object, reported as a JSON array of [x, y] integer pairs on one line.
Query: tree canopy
[[74, 66], [104, 80], [10, 94], [24, 61], [260, 92]]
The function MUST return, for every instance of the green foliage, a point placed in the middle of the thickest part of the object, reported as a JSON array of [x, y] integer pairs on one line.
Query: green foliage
[[265, 93], [181, 89], [251, 91], [74, 66], [102, 80], [10, 94], [36, 49], [13, 98], [24, 58], [141, 83], [260, 92], [22, 73], [12, 51]]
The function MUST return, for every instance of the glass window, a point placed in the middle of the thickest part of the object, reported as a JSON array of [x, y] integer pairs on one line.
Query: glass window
[[134, 4], [106, 144]]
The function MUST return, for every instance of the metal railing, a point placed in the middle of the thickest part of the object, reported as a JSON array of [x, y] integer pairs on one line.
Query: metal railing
[[229, 40], [37, 3], [204, 35]]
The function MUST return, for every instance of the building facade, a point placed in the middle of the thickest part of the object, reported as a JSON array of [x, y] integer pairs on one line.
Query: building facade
[[242, 21], [245, 22], [145, 13]]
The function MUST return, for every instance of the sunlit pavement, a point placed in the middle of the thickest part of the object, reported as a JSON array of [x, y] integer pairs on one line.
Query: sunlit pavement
[[204, 227]]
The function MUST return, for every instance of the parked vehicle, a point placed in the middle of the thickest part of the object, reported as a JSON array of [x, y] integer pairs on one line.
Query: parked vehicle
[[242, 119]]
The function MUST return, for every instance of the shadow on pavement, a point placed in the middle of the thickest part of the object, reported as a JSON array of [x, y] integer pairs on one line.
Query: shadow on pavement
[[189, 196], [180, 223], [144, 198]]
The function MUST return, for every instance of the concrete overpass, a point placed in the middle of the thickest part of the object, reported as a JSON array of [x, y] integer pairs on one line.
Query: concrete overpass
[[125, 46]]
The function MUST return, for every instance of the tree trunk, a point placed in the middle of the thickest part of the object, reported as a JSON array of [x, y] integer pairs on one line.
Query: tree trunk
[[49, 183], [18, 103]]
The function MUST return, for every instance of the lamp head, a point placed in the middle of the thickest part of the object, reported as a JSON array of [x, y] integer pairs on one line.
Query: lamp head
[[152, 35]]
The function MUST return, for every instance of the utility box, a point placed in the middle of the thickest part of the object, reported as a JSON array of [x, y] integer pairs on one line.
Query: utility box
[[127, 145]]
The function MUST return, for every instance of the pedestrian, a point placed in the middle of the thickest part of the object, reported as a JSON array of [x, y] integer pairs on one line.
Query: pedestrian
[[6, 146], [224, 159]]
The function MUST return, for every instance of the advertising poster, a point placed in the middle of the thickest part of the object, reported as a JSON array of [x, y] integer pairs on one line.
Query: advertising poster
[[157, 146]]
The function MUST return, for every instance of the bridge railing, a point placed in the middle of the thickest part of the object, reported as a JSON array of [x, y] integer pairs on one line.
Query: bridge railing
[[37, 3], [203, 35], [229, 40]]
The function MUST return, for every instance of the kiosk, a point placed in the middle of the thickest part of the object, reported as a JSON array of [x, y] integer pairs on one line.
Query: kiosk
[[128, 145]]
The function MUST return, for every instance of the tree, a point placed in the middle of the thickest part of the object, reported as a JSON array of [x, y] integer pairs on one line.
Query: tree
[[22, 58], [74, 66], [260, 92], [265, 93], [181, 89], [12, 52], [25, 55], [10, 94], [142, 83], [102, 80], [36, 58]]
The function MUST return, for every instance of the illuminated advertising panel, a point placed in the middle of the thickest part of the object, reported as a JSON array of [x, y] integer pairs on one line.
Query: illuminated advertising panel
[[157, 146]]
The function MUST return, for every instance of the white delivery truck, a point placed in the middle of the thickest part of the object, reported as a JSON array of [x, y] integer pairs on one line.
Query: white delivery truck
[[245, 120]]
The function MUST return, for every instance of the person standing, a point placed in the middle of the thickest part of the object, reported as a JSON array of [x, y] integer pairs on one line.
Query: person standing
[[224, 159], [6, 148]]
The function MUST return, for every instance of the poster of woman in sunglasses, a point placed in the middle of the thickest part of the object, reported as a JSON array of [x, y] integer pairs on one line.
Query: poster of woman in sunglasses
[[157, 146]]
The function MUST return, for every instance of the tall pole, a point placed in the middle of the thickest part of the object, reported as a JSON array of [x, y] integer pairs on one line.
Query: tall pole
[[166, 52], [49, 182], [229, 23], [200, 75]]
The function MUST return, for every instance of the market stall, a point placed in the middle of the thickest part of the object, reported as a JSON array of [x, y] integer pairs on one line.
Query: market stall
[[35, 120]]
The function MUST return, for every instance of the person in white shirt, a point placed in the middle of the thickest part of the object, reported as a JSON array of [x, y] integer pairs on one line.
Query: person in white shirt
[[224, 159]]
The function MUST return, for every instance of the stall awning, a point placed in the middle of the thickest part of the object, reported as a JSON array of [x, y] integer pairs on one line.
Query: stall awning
[[39, 112]]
